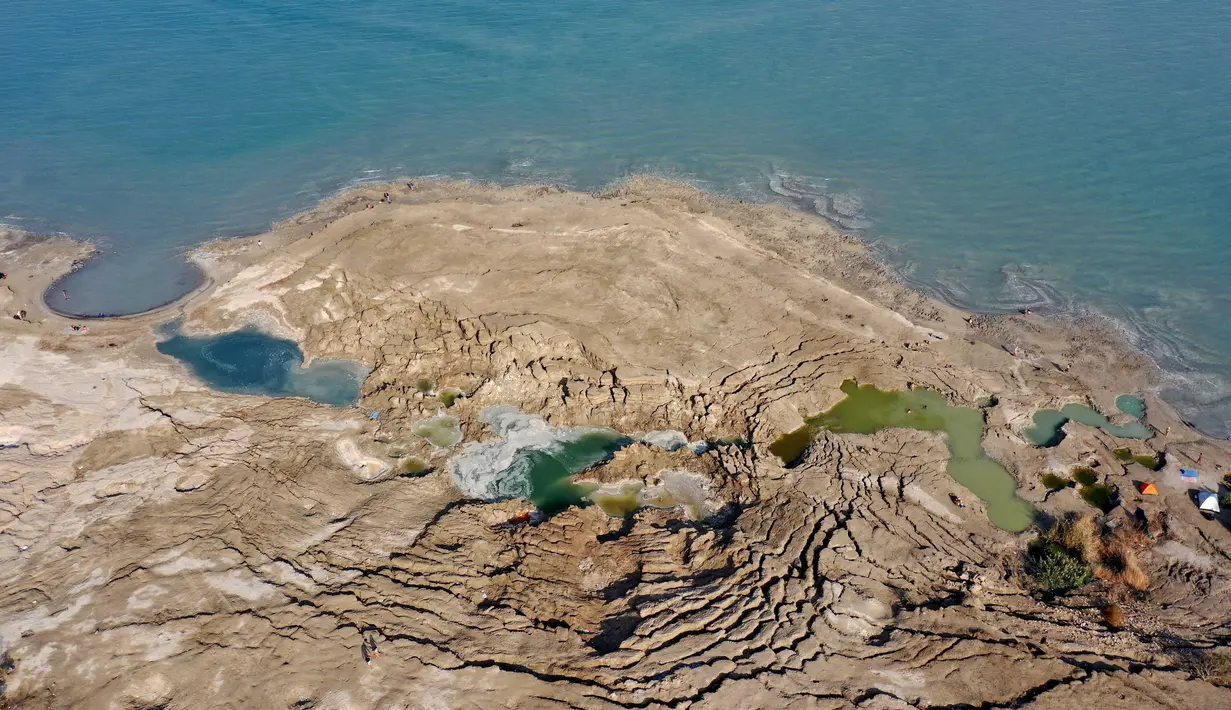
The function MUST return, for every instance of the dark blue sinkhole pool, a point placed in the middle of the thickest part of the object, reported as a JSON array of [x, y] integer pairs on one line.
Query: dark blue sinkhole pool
[[248, 361]]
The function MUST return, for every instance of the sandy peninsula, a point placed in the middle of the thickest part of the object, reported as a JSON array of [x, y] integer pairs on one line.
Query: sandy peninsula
[[165, 545]]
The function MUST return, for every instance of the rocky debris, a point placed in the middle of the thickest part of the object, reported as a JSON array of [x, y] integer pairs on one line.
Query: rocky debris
[[165, 546]]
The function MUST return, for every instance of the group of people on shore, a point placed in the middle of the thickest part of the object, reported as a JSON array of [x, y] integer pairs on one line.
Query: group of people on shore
[[21, 314], [387, 199]]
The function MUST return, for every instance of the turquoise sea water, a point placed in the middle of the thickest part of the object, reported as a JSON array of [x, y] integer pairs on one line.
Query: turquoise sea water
[[1067, 155]]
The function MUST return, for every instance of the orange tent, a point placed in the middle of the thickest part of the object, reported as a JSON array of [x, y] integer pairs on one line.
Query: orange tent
[[1149, 489]]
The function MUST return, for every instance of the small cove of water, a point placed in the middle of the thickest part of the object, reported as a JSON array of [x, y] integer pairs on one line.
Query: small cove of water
[[251, 362], [674, 488]]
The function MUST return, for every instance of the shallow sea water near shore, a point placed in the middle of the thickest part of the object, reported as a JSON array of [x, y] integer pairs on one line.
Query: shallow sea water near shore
[[1001, 155]]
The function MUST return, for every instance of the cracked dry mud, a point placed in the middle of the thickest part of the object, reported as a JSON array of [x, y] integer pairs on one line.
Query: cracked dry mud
[[166, 546]]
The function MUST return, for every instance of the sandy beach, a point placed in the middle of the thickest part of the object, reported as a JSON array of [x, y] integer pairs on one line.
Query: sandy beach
[[163, 544]]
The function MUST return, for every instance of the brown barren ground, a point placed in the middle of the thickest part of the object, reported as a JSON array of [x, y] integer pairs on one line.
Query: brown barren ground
[[166, 546]]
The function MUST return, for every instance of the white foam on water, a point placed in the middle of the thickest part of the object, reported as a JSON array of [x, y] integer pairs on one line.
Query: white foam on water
[[499, 469]]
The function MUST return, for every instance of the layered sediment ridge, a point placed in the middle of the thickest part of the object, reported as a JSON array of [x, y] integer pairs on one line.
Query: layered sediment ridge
[[166, 545]]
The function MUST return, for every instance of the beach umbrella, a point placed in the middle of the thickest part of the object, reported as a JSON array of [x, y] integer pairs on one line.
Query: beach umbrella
[[1149, 489], [1208, 502], [1188, 474]]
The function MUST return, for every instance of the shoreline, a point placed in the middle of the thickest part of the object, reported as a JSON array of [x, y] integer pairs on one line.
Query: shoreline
[[868, 276]]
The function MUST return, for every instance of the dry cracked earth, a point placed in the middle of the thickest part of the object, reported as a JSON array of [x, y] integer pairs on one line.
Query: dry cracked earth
[[168, 546]]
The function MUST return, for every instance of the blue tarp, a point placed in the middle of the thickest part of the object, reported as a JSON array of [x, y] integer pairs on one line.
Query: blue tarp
[[1188, 473]]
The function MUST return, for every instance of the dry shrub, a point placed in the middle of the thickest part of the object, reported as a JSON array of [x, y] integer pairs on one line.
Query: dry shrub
[[55, 344], [1211, 665], [1061, 560], [1113, 557], [1113, 615], [1080, 535], [1134, 538], [1118, 564]]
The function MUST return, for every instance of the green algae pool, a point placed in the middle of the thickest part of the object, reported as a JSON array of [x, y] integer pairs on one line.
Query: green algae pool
[[867, 410], [413, 466], [676, 488], [1054, 482], [1048, 429], [618, 501], [1152, 461], [441, 430], [1101, 496], [1085, 476]]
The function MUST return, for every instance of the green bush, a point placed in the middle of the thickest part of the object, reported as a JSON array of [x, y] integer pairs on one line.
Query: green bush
[[1056, 570]]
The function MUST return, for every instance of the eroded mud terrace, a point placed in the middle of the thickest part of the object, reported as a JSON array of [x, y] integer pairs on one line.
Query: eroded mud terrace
[[166, 545]]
